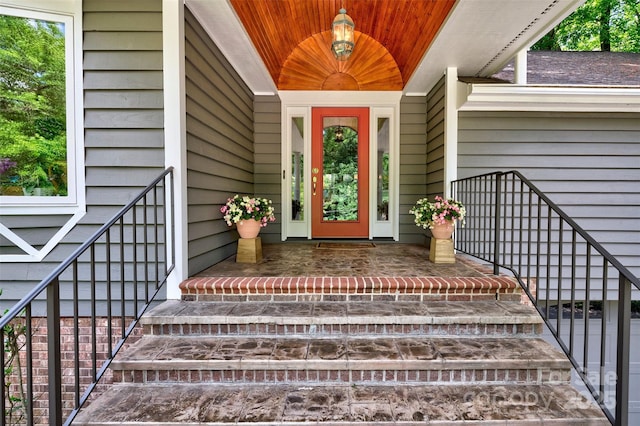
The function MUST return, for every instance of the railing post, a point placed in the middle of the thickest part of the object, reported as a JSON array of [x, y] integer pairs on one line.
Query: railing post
[[496, 226], [622, 362], [53, 352]]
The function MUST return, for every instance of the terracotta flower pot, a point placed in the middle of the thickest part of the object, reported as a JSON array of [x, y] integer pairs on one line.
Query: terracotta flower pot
[[248, 228], [443, 231]]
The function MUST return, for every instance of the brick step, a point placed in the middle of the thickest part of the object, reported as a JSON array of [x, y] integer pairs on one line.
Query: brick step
[[333, 289], [340, 405], [491, 317], [356, 360]]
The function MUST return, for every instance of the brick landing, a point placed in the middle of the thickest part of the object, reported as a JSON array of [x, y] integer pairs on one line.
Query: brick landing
[[387, 271], [349, 288]]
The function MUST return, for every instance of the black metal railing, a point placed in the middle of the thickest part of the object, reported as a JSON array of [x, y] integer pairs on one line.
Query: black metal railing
[[570, 278], [107, 284]]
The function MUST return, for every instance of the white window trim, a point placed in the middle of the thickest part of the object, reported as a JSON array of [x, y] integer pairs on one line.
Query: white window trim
[[70, 13], [389, 227], [512, 97], [295, 228]]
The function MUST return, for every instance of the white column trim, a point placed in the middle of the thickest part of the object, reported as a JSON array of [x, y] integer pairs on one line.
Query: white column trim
[[175, 149], [520, 68], [450, 129]]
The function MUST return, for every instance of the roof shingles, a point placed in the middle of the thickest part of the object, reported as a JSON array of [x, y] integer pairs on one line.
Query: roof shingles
[[579, 68]]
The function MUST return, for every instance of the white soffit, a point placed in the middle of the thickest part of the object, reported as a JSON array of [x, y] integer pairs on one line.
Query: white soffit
[[480, 36], [223, 26], [509, 97]]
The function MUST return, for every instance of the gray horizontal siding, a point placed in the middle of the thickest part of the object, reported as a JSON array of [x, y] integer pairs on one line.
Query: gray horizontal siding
[[589, 164], [220, 146], [103, 99], [124, 139], [119, 80], [123, 40], [435, 143], [118, 60], [421, 156], [413, 163], [108, 20], [121, 5], [268, 162]]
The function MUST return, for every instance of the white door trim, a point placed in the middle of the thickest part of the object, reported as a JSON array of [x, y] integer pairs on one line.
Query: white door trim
[[380, 104]]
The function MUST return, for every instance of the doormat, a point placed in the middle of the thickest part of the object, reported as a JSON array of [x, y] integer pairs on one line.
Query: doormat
[[345, 246]]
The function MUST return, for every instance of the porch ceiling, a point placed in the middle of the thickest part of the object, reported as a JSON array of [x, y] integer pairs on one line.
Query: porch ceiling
[[400, 44]]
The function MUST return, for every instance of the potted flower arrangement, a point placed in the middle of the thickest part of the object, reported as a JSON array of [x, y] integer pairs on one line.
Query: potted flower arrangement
[[249, 214], [439, 216]]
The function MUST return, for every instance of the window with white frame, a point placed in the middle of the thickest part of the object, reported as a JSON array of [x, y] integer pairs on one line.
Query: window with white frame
[[41, 125], [38, 135]]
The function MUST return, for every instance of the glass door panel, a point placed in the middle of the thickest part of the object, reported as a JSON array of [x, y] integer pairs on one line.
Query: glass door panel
[[340, 169]]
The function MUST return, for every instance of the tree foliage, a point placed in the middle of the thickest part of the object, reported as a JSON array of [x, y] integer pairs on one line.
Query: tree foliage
[[32, 105], [340, 174], [605, 25]]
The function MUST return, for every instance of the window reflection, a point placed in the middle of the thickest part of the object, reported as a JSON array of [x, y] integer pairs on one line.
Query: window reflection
[[33, 133], [340, 166], [297, 169], [383, 169]]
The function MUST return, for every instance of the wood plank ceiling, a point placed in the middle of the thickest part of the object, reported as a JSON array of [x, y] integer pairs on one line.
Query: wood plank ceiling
[[293, 38]]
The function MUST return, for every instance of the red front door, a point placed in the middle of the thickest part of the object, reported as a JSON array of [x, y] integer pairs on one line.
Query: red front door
[[340, 173]]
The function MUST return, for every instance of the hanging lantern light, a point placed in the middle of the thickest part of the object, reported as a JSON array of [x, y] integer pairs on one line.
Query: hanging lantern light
[[342, 29]]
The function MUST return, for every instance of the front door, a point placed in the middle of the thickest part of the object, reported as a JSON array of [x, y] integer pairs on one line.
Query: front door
[[340, 173]]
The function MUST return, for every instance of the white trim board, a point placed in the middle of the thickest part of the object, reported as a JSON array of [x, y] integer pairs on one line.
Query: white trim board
[[510, 97]]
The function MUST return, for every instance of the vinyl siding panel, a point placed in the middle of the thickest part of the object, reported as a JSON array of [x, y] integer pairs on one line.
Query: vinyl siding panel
[[589, 164], [435, 142], [268, 163], [122, 49], [220, 146], [413, 160], [123, 41], [117, 138], [124, 110]]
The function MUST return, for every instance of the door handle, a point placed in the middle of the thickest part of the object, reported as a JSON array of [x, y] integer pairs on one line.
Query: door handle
[[315, 184]]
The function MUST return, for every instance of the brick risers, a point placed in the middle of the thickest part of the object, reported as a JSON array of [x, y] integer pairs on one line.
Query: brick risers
[[349, 288], [382, 329], [357, 342], [361, 377]]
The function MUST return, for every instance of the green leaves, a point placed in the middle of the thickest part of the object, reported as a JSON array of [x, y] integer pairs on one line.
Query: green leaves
[[32, 104], [606, 25]]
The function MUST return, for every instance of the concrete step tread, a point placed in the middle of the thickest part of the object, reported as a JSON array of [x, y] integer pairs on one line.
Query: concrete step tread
[[354, 352], [431, 312], [341, 405]]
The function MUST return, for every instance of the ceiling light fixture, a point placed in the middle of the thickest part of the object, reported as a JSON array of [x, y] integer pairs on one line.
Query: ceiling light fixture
[[342, 29]]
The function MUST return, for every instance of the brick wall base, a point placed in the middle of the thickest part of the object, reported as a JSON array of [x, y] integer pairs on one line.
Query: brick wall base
[[76, 361]]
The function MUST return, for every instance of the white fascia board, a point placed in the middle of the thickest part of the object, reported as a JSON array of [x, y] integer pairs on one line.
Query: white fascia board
[[509, 97], [339, 98]]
